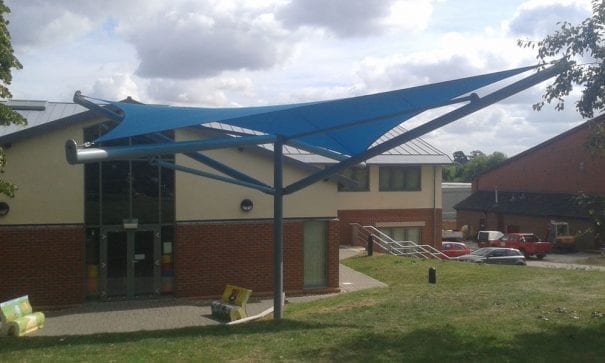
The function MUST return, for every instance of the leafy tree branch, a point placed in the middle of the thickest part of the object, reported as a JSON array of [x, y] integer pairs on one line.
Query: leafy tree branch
[[581, 51], [8, 61]]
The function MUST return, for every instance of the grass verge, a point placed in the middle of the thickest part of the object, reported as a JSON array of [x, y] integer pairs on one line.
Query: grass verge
[[473, 313]]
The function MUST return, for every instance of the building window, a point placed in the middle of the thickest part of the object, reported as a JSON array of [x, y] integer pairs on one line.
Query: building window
[[413, 234], [118, 190], [358, 174], [399, 178]]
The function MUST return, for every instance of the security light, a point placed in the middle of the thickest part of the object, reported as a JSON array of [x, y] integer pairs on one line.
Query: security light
[[246, 205]]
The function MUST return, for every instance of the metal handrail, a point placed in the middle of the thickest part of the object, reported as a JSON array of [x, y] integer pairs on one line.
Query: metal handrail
[[397, 248]]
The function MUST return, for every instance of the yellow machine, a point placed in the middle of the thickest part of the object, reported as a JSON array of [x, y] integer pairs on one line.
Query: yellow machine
[[559, 236]]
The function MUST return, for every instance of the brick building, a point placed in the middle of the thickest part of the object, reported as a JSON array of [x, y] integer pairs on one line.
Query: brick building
[[537, 186], [127, 229]]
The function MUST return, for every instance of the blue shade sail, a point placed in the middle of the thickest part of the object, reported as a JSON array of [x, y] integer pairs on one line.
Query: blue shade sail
[[347, 126]]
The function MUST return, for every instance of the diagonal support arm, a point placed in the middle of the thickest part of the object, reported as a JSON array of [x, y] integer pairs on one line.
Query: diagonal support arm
[[441, 121], [82, 101], [173, 166], [201, 158]]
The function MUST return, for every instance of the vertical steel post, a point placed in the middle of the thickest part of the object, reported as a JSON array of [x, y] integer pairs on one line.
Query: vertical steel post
[[278, 229]]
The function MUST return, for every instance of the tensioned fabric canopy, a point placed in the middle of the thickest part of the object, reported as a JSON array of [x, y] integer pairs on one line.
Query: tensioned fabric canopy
[[345, 126]]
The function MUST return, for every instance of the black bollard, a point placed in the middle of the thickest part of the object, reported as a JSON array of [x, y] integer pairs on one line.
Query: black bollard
[[370, 246], [432, 275]]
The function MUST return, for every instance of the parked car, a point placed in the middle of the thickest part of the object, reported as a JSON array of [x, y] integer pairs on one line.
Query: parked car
[[484, 238], [495, 255], [528, 243], [454, 249]]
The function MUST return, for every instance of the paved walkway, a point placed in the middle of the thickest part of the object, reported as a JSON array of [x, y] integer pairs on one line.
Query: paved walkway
[[172, 313]]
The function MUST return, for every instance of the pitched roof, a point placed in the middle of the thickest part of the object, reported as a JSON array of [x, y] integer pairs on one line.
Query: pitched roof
[[600, 118], [41, 116], [521, 203]]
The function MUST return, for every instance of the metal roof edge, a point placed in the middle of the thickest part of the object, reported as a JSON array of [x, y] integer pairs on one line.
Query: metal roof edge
[[25, 105], [33, 131]]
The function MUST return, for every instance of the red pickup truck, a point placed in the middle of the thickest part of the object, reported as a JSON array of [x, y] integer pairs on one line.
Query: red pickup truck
[[528, 243]]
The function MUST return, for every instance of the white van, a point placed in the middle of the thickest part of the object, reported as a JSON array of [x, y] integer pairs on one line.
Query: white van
[[485, 237]]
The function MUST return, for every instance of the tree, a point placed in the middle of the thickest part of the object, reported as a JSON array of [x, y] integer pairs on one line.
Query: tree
[[580, 51], [460, 157], [7, 116], [476, 164], [594, 206], [476, 154], [570, 46]]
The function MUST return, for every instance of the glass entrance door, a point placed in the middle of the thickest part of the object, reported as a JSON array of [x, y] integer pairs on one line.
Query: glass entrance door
[[116, 266], [130, 263], [144, 263]]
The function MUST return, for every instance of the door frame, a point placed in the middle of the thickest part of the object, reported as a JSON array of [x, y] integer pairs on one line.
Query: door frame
[[130, 256]]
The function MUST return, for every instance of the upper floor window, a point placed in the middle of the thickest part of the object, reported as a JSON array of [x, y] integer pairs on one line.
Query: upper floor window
[[399, 178], [124, 189], [358, 174]]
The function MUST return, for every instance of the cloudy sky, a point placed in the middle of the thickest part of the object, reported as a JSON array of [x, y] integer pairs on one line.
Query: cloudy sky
[[249, 53]]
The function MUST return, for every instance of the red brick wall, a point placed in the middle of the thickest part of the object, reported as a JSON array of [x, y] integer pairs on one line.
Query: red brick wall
[[450, 224], [471, 219], [333, 254], [210, 255], [561, 166], [47, 262], [495, 223], [537, 225], [371, 217], [44, 262]]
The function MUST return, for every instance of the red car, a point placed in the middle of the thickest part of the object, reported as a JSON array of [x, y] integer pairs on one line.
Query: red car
[[528, 243], [454, 249]]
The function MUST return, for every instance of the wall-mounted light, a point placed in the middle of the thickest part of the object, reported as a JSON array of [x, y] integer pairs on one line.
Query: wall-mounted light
[[4, 208], [246, 205]]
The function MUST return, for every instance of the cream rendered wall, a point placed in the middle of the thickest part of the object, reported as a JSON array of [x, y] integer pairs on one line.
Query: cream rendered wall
[[50, 190], [199, 198], [428, 197]]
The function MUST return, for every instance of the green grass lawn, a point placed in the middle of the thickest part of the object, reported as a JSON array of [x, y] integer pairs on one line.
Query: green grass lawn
[[473, 313]]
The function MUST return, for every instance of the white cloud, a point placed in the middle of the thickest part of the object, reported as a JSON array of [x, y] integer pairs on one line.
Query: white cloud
[[226, 90], [537, 18], [237, 52], [117, 87], [44, 24], [356, 18]]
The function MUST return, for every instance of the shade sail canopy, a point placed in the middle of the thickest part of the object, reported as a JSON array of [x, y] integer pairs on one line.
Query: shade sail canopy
[[346, 126]]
